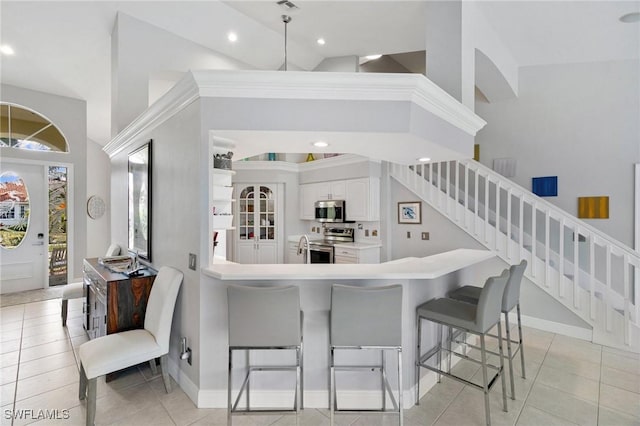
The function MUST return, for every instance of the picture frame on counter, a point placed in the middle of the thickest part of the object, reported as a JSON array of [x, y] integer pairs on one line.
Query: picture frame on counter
[[410, 212]]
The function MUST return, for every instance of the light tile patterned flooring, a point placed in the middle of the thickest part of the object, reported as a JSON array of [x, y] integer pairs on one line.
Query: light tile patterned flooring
[[568, 382]]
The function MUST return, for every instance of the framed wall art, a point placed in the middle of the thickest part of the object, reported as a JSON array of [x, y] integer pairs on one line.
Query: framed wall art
[[410, 212]]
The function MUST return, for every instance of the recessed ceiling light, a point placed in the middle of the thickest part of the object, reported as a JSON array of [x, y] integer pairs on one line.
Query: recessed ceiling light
[[232, 37], [6, 49], [320, 144], [373, 57], [320, 41], [630, 18], [424, 159]]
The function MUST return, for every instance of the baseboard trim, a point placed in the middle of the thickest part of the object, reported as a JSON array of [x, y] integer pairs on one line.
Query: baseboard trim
[[185, 382], [553, 327]]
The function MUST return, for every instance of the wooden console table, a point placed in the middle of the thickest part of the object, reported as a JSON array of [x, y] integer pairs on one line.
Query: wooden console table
[[114, 301]]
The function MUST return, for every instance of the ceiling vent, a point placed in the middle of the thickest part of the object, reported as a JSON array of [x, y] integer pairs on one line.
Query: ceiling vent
[[287, 5]]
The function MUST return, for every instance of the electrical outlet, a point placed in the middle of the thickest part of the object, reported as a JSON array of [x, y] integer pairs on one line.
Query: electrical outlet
[[192, 261], [425, 235], [408, 234], [374, 233], [366, 232], [313, 229], [359, 226], [190, 360]]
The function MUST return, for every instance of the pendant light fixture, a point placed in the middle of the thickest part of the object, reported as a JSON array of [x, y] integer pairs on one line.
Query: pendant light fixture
[[286, 19]]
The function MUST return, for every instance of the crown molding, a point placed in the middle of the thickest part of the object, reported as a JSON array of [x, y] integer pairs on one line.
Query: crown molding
[[414, 88], [175, 100]]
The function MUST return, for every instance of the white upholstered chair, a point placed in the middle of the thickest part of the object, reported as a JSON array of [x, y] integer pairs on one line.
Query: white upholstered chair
[[117, 351], [74, 290]]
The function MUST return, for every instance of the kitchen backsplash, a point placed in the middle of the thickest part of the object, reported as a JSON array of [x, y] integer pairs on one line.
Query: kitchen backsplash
[[365, 232]]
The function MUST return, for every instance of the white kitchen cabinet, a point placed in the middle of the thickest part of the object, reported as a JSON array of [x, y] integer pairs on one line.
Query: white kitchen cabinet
[[335, 190], [362, 197], [312, 192], [356, 255], [308, 196], [257, 224]]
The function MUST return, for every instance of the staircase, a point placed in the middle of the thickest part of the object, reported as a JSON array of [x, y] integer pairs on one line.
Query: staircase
[[590, 273]]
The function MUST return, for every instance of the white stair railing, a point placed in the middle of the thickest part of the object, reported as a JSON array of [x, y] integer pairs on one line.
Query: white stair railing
[[589, 272]]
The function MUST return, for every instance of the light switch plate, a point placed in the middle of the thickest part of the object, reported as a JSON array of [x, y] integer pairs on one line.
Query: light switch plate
[[192, 261], [425, 235], [408, 234]]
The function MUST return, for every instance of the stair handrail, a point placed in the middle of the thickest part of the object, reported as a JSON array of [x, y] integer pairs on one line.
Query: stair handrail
[[526, 193]]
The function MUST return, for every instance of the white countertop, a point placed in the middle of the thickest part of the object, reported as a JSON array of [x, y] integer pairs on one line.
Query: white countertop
[[409, 268]]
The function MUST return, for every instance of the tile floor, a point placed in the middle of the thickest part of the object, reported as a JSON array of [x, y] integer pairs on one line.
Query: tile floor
[[569, 382]]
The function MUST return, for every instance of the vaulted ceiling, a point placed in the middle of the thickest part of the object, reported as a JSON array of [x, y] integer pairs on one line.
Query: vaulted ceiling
[[64, 48]]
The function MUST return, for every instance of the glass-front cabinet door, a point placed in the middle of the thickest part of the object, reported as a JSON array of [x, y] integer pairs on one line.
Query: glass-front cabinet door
[[257, 223]]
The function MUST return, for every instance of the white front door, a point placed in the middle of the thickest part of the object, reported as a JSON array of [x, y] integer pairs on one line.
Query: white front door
[[24, 266]]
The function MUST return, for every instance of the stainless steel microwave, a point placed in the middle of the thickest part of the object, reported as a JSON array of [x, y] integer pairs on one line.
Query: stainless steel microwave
[[330, 211]]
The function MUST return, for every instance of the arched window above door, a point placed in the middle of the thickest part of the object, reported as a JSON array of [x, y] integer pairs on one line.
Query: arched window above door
[[22, 128]]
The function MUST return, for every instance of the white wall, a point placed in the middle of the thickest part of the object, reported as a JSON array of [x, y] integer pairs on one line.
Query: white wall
[[98, 171], [176, 197], [339, 64], [70, 116], [578, 122], [140, 50]]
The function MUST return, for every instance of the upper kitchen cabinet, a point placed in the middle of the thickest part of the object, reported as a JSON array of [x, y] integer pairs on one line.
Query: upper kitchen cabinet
[[335, 190], [312, 192], [362, 198]]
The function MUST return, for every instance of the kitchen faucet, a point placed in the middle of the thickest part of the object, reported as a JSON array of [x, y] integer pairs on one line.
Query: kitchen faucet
[[303, 244]]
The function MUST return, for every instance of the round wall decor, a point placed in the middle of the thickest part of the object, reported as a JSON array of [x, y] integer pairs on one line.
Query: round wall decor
[[95, 207]]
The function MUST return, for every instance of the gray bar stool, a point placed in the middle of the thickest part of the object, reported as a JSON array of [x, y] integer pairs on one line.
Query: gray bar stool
[[366, 318], [510, 300], [477, 319], [264, 318]]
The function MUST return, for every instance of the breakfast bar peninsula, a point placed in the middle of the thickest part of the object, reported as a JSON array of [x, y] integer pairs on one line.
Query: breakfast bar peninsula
[[421, 278]]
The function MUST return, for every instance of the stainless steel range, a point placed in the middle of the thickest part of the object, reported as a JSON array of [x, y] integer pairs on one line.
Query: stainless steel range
[[323, 251]]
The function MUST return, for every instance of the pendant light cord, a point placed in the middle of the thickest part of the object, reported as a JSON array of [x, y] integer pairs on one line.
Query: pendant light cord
[[286, 19]]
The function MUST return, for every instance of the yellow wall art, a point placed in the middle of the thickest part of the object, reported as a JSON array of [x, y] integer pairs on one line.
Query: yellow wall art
[[593, 207]]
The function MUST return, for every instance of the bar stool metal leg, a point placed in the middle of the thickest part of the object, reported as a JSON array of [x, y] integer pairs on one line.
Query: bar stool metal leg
[[504, 382], [521, 347], [439, 356], [383, 379], [511, 379], [418, 352], [298, 384], [485, 383], [248, 363], [332, 389], [449, 339], [229, 387], [400, 388]]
